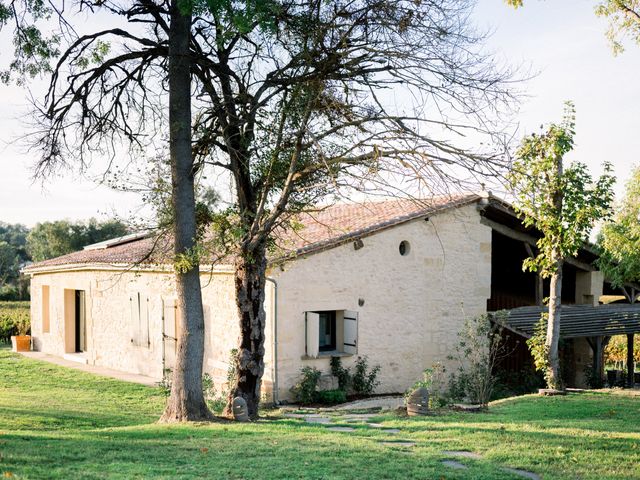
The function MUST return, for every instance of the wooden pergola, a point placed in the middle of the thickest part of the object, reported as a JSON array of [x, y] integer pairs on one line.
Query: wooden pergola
[[597, 324]]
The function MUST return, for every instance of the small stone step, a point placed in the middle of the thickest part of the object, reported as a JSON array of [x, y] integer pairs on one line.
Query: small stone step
[[454, 464], [462, 454], [550, 392], [522, 473], [462, 407], [320, 420], [341, 429], [401, 443]]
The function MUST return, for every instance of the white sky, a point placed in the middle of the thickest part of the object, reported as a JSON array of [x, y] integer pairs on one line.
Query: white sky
[[562, 40]]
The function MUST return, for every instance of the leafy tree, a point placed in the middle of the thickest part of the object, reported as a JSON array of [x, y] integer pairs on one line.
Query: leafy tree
[[9, 263], [623, 16], [287, 100], [619, 241], [52, 239], [616, 350], [562, 203], [13, 256]]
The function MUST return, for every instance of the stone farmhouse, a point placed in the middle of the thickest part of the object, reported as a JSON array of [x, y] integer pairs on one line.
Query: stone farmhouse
[[392, 280]]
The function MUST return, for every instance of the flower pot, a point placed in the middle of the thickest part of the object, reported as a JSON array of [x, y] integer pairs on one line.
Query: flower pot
[[21, 343]]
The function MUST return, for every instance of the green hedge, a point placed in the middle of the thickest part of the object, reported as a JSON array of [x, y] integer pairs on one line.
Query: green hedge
[[11, 315]]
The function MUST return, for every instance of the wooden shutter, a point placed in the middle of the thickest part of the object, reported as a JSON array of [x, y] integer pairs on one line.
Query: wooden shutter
[[170, 334], [312, 333], [350, 332], [134, 320], [143, 336]]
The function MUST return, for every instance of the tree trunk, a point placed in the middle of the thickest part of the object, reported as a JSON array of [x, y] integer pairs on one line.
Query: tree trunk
[[186, 402], [250, 278], [554, 379]]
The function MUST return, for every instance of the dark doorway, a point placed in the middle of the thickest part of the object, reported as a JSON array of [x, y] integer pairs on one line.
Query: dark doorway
[[80, 321]]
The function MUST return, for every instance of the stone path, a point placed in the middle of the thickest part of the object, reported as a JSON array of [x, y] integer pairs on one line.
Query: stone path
[[334, 421], [96, 370]]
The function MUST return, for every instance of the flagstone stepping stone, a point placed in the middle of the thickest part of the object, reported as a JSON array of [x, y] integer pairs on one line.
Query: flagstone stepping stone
[[391, 431], [400, 443], [315, 419], [462, 454], [341, 429], [454, 464], [359, 417], [375, 425], [522, 473], [295, 415]]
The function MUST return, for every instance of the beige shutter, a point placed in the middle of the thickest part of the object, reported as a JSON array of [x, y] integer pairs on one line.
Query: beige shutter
[[350, 332], [143, 336], [170, 334], [312, 333], [134, 321]]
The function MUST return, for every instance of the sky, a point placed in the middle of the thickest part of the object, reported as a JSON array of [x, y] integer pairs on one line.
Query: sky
[[561, 42]]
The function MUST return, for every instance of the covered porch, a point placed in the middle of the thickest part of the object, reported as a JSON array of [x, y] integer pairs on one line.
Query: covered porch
[[594, 324]]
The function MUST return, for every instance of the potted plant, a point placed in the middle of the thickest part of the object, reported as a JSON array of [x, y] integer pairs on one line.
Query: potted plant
[[22, 341]]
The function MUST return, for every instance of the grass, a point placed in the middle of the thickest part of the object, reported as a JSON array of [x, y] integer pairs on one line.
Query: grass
[[60, 423]]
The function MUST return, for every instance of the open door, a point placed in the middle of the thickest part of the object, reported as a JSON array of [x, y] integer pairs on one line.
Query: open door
[[80, 321]]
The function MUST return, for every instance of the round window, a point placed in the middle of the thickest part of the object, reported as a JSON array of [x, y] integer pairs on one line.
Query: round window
[[404, 248]]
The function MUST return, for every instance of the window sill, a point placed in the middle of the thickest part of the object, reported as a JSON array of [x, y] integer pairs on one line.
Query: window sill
[[327, 355]]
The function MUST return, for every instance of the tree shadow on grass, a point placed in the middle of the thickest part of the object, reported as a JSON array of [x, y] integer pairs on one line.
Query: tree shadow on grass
[[238, 451]]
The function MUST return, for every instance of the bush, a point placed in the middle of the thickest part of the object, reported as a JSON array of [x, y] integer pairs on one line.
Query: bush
[[14, 319], [305, 390], [331, 397], [364, 382], [216, 402], [342, 374], [480, 348], [514, 383], [434, 380]]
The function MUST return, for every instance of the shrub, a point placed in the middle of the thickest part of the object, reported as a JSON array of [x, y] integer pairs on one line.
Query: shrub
[[364, 382], [14, 319], [305, 390], [434, 380], [479, 350], [520, 382], [342, 374], [216, 402], [331, 397]]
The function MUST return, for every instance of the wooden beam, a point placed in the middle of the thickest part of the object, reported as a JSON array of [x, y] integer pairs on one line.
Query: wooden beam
[[526, 238], [630, 361]]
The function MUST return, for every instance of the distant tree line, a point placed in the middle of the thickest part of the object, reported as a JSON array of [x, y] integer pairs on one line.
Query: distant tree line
[[20, 245]]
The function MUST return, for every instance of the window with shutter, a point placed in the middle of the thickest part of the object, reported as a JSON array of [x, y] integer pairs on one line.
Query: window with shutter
[[331, 332]]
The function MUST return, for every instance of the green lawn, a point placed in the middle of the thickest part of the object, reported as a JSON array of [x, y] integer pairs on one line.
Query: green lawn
[[59, 423]]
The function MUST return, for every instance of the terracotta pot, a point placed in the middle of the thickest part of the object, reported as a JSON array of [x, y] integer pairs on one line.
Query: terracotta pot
[[21, 343]]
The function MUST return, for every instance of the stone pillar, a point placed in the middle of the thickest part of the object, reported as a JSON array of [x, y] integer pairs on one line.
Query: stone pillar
[[589, 287]]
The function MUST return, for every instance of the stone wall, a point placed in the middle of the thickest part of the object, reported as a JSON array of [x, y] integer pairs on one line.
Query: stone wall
[[413, 305]]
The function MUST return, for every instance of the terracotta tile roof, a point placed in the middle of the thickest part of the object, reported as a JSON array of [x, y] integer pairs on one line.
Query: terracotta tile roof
[[321, 229], [339, 223]]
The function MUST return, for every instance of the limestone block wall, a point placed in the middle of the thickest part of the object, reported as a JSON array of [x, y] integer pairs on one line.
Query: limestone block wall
[[413, 305], [108, 319], [109, 331]]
